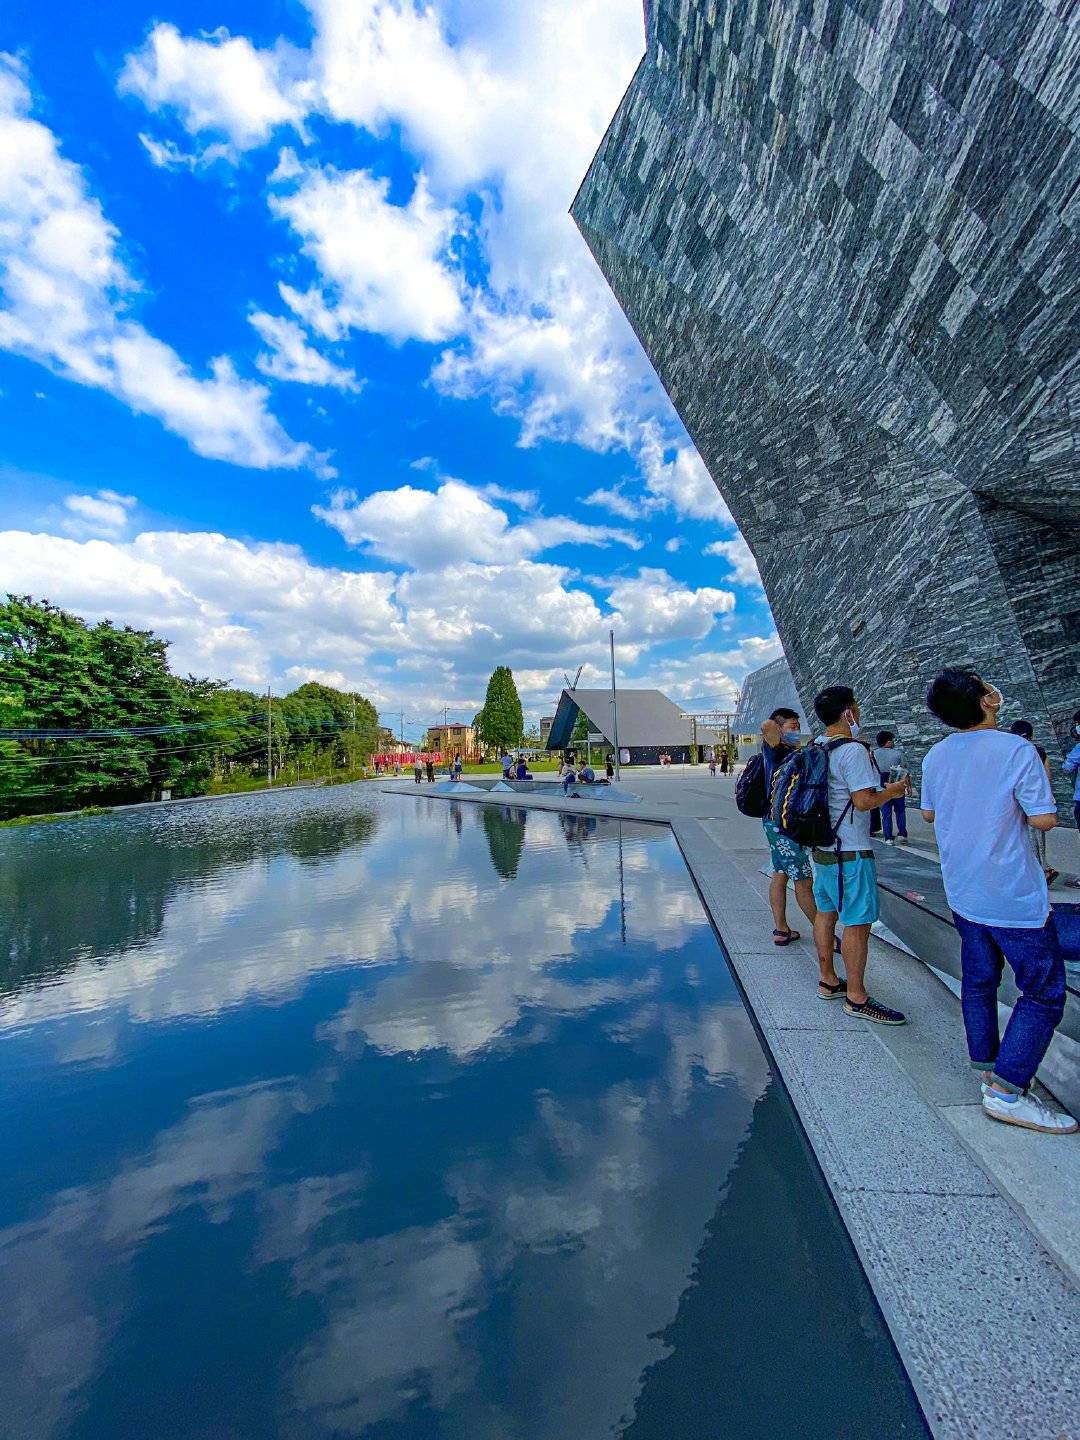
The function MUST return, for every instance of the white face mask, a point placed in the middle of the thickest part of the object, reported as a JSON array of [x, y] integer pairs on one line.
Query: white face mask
[[995, 694], [854, 724], [1076, 729]]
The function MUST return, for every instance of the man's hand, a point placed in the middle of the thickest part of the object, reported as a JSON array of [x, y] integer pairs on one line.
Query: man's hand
[[897, 789], [770, 732]]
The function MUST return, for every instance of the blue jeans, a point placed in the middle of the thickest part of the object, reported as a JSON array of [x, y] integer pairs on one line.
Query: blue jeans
[[891, 808], [1040, 977]]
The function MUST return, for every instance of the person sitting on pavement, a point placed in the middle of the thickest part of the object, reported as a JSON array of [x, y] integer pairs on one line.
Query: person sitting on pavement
[[522, 770], [981, 790], [507, 764], [569, 778], [889, 759], [588, 774], [781, 735], [853, 794]]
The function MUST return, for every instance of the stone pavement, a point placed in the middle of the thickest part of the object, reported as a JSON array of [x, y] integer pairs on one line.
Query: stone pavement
[[969, 1231]]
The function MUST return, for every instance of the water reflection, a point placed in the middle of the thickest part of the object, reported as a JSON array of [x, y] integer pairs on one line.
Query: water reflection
[[418, 1136]]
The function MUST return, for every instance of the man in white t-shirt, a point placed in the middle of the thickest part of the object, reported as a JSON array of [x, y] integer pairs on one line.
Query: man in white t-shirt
[[982, 788], [845, 878]]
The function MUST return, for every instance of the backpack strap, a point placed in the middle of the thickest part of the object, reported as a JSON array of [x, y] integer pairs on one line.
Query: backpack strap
[[830, 745]]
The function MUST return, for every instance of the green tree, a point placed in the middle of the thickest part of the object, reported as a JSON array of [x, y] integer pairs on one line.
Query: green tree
[[501, 720]]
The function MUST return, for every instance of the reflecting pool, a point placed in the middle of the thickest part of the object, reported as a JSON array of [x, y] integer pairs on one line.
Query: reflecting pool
[[336, 1113]]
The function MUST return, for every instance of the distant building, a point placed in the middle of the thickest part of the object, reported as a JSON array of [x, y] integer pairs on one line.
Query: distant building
[[649, 724], [546, 722], [451, 740], [763, 691]]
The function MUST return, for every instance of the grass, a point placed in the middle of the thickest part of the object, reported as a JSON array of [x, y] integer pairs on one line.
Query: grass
[[85, 814]]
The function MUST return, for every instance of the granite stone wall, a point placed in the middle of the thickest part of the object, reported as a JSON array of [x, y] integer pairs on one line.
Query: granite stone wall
[[846, 234]]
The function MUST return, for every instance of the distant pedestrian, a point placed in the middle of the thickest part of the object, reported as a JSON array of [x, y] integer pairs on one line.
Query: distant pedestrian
[[1072, 767], [609, 768], [1026, 731], [457, 766], [845, 877], [725, 761], [430, 771], [418, 769], [712, 765], [981, 790], [507, 763], [889, 759], [781, 736]]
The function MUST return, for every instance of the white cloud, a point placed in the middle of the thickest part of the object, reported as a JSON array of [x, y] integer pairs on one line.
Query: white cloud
[[629, 507], [64, 288], [429, 529], [230, 609], [737, 552], [217, 83], [653, 606], [676, 474], [166, 154], [103, 513], [291, 358], [674, 545], [387, 266]]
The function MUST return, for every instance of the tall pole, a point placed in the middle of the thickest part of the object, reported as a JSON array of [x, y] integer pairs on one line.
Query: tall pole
[[269, 733], [614, 705]]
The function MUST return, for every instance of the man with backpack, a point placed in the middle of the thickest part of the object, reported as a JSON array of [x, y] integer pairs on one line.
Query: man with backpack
[[781, 735], [823, 797]]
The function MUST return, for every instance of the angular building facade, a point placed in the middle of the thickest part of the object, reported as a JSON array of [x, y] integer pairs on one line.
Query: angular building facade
[[846, 233]]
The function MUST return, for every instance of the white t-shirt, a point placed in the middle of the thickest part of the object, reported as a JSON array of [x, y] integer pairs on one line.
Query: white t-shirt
[[981, 784], [850, 768]]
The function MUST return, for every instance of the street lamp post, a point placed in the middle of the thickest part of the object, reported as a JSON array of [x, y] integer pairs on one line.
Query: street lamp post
[[614, 705]]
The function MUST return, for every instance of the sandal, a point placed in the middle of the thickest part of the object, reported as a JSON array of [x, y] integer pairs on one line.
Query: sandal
[[785, 937], [831, 992]]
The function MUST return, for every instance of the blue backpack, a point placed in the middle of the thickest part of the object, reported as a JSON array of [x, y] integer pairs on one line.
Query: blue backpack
[[799, 805]]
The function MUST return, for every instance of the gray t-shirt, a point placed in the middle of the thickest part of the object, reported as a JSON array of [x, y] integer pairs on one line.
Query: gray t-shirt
[[850, 768], [888, 757]]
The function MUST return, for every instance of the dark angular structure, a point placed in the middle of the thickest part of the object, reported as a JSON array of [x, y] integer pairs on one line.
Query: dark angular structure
[[846, 232]]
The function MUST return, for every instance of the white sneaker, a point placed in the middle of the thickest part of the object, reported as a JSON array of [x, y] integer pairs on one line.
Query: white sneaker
[[1029, 1112]]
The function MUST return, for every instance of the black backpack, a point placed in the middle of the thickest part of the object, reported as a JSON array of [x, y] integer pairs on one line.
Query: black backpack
[[751, 793], [800, 795]]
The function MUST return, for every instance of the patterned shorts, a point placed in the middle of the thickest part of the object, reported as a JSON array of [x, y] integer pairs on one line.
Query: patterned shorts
[[788, 857]]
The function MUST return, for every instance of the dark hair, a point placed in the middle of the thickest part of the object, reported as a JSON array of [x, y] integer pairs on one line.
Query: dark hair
[[884, 736], [1022, 727], [783, 713], [832, 702], [954, 698], [1076, 718]]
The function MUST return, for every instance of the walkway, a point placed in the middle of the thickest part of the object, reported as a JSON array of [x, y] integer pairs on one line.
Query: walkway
[[969, 1231]]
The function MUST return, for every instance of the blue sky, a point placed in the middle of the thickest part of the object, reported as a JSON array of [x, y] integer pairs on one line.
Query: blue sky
[[304, 365]]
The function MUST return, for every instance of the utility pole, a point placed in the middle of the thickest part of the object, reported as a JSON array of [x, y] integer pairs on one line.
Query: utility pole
[[693, 742], [614, 705], [269, 735]]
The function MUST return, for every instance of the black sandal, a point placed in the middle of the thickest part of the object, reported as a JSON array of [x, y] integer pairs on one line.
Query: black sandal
[[787, 936], [831, 992]]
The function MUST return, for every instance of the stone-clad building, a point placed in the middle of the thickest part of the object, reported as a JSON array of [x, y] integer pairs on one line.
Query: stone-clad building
[[846, 234]]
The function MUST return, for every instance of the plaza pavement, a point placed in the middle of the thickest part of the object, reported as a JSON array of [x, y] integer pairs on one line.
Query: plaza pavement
[[969, 1231]]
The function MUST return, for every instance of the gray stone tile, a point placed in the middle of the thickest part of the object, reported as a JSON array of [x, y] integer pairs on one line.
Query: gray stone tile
[[783, 990], [985, 1321], [861, 1112], [1040, 1175]]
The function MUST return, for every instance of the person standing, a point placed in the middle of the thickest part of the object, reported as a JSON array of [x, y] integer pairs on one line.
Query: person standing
[[725, 761], [845, 879], [1072, 767], [781, 735], [609, 768], [457, 766], [889, 759], [418, 770], [1026, 731], [430, 771], [981, 790], [712, 765]]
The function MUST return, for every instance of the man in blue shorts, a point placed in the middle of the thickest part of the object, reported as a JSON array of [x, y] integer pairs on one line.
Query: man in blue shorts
[[781, 736], [853, 793]]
